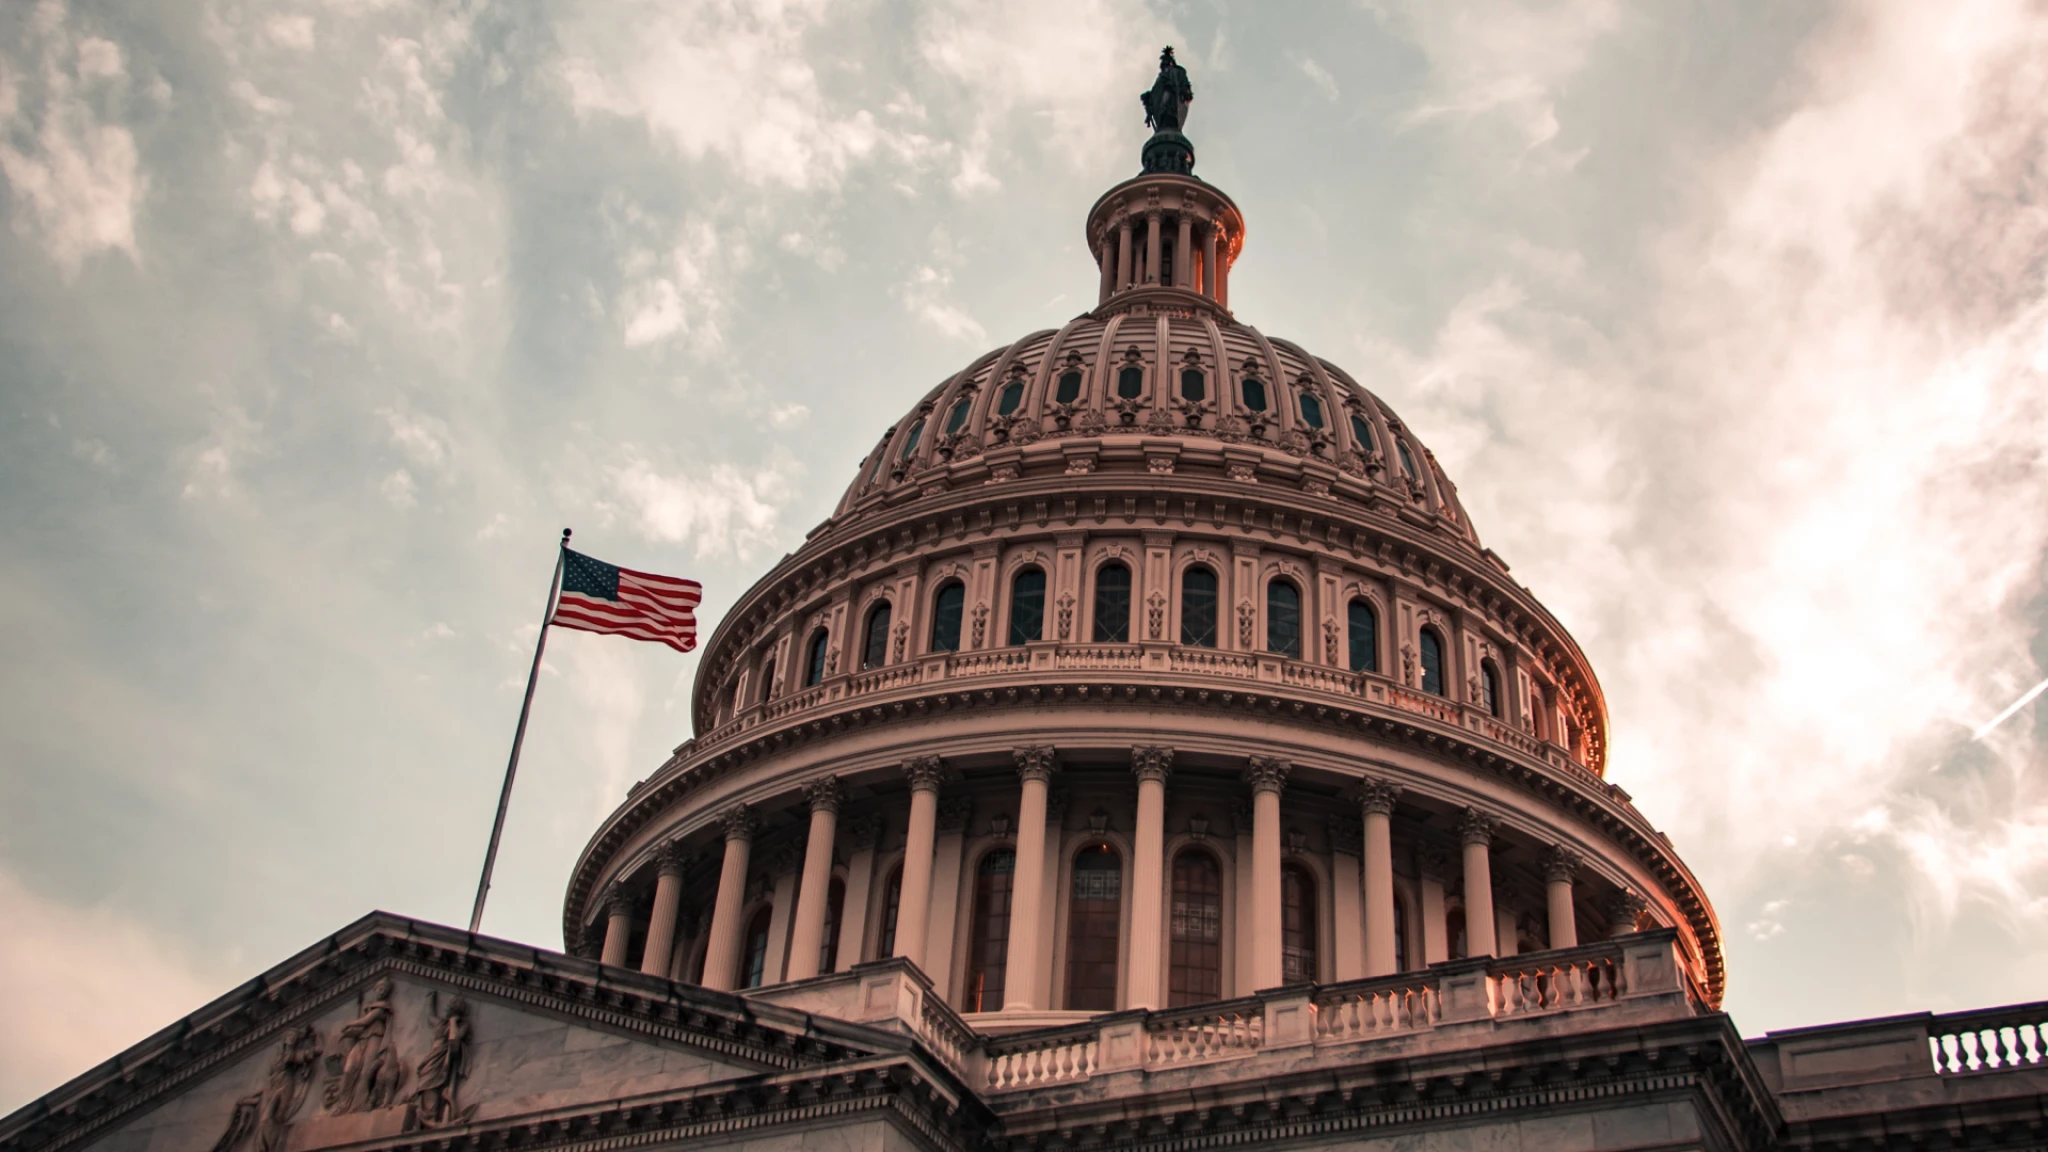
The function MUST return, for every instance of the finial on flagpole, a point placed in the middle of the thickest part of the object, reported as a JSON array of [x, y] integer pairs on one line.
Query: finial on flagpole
[[565, 537]]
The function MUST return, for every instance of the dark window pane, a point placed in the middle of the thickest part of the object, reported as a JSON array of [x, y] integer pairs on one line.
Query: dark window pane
[[1362, 433], [1195, 966], [1283, 619], [768, 682], [1297, 925], [1407, 461], [1193, 385], [1130, 383], [958, 416], [1094, 926], [1365, 637], [755, 970], [1489, 689], [892, 902], [1027, 606], [1254, 393], [1311, 410], [835, 906], [1113, 604], [874, 650], [814, 660], [1198, 607], [946, 609], [989, 949], [1013, 395], [1432, 663], [910, 441], [1069, 389]]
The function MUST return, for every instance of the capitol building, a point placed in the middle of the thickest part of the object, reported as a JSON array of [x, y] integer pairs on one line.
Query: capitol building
[[1147, 753]]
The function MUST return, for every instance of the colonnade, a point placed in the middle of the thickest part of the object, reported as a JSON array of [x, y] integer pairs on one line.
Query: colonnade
[[1199, 251], [1030, 952]]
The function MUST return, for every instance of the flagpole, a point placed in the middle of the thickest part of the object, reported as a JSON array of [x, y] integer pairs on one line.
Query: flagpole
[[483, 886]]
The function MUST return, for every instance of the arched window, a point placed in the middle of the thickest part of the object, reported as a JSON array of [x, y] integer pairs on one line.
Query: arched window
[[956, 417], [1112, 604], [1432, 662], [1365, 636], [1311, 410], [1297, 925], [1027, 606], [814, 659], [1069, 389], [1130, 382], [1194, 387], [946, 609], [1195, 965], [835, 907], [1407, 460], [1361, 433], [1198, 607], [1094, 926], [874, 648], [910, 441], [754, 972], [1489, 688], [1254, 391], [892, 902], [1283, 619], [989, 948], [768, 681], [1012, 395]]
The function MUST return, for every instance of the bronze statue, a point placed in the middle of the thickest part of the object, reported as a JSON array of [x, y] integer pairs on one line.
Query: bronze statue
[[370, 1072], [1166, 105], [267, 1114], [441, 1073]]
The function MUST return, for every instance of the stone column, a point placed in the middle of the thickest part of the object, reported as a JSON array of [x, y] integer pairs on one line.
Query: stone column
[[948, 901], [1152, 247], [1560, 865], [1148, 876], [618, 928], [1476, 831], [1624, 908], [814, 891], [1223, 271], [1209, 262], [1027, 898], [1107, 255], [914, 898], [1184, 253], [1433, 867], [1347, 897], [1376, 803], [1123, 254], [862, 835], [668, 902], [722, 954], [1267, 776]]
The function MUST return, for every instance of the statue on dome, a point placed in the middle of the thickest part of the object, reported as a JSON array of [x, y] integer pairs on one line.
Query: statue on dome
[[1166, 105]]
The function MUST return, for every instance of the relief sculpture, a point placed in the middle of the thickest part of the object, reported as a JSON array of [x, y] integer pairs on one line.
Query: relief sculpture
[[441, 1072], [368, 1075], [267, 1114]]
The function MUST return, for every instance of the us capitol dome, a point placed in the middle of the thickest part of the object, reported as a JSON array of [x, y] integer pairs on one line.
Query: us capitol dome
[[1147, 753]]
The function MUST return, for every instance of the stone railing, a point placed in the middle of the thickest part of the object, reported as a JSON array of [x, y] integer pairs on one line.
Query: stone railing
[[1989, 1040], [1645, 968], [1154, 663]]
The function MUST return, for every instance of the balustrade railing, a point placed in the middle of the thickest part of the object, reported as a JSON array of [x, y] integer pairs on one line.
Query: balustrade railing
[[1030, 1062], [881, 680], [2001, 1038], [1542, 985], [989, 663], [1209, 662], [1318, 678], [1097, 657], [1207, 1033], [1434, 707], [1356, 1011]]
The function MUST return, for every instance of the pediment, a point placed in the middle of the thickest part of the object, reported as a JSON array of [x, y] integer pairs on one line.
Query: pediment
[[394, 1027]]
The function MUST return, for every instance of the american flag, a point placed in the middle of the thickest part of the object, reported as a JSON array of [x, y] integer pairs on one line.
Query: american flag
[[601, 597]]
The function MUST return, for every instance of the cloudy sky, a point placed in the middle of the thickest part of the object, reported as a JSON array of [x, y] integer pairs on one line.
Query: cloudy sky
[[319, 320]]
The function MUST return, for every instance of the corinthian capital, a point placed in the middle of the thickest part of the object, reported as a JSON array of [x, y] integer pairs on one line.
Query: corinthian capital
[[824, 794], [1267, 773], [1624, 911], [1561, 864], [740, 823], [670, 861], [1034, 761], [926, 773], [1377, 797], [1151, 761], [1477, 827]]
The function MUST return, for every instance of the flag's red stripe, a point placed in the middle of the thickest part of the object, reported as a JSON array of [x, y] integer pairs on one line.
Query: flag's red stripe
[[693, 587], [682, 595], [619, 610], [679, 643], [621, 622]]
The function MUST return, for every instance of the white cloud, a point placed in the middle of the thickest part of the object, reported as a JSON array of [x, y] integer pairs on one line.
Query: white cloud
[[75, 175], [290, 31], [101, 982], [1317, 75], [1503, 61], [924, 294], [400, 489], [718, 509], [788, 415], [233, 438]]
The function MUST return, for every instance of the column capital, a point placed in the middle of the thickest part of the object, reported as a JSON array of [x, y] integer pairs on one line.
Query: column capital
[[1267, 774], [1151, 761], [1624, 909], [671, 860], [1477, 827], [926, 773], [824, 794], [1377, 796], [740, 823], [1034, 761], [618, 902], [1561, 864]]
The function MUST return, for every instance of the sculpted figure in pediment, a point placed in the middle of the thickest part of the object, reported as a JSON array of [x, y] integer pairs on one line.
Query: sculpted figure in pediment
[[370, 1073], [441, 1073], [267, 1114]]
